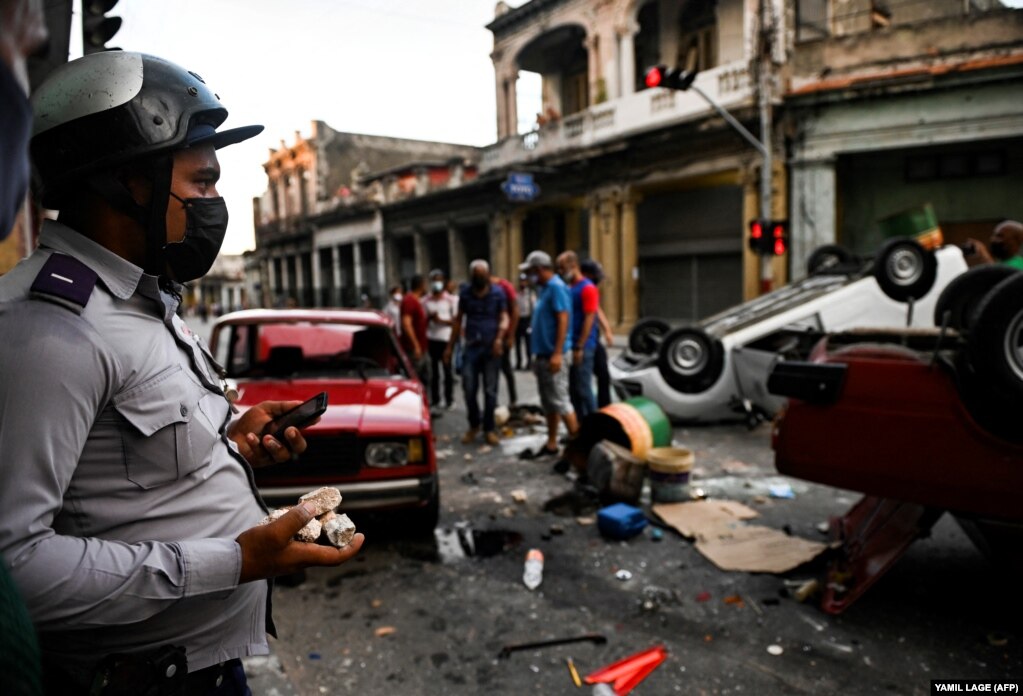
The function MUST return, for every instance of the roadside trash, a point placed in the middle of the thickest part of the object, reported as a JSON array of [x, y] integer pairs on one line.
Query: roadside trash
[[735, 600], [669, 473], [469, 479], [734, 466], [467, 457], [444, 453], [697, 494], [615, 472], [636, 424], [501, 415], [519, 495], [556, 530], [621, 521], [754, 606], [759, 499], [624, 575], [314, 656], [775, 649], [595, 638], [385, 631], [781, 490], [723, 538], [602, 690], [532, 574], [806, 590], [656, 534], [703, 597], [625, 674], [823, 527], [586, 520], [573, 672], [376, 603]]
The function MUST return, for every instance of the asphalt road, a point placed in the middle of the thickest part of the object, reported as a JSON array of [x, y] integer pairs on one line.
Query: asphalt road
[[415, 614]]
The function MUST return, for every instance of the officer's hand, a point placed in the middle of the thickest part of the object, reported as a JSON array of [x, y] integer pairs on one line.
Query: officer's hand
[[263, 450], [269, 550]]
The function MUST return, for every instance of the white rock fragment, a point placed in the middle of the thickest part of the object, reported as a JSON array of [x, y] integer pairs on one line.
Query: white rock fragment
[[274, 515], [311, 532], [340, 530], [325, 499]]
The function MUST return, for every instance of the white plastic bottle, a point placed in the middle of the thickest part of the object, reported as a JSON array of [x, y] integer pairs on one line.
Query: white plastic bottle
[[532, 576]]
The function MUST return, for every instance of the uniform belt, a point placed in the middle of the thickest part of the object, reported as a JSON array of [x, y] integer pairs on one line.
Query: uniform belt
[[207, 680]]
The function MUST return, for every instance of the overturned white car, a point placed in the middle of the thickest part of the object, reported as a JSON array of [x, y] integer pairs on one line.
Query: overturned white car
[[717, 368]]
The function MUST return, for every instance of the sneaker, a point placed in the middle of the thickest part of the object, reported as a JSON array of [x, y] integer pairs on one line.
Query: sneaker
[[469, 436], [492, 439]]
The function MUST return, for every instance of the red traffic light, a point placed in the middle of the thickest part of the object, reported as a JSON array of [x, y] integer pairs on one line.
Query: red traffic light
[[779, 246], [655, 76], [756, 229]]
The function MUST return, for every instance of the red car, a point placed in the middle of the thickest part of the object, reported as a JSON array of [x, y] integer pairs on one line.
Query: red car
[[921, 422], [375, 442]]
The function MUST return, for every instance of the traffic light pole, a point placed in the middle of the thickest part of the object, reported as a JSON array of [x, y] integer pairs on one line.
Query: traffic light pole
[[766, 29]]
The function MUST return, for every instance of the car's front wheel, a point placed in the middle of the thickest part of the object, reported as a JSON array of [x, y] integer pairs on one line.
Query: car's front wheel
[[905, 270], [690, 360], [996, 338], [961, 297]]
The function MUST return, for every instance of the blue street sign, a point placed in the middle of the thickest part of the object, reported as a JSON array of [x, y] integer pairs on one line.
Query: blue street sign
[[520, 187]]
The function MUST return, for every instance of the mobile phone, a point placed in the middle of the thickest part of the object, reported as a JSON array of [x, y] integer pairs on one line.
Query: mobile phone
[[299, 417]]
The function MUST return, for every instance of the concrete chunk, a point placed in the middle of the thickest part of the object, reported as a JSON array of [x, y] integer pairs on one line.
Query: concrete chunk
[[311, 532], [325, 499], [340, 530]]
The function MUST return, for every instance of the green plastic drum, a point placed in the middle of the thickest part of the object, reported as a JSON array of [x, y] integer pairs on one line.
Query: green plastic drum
[[660, 426]]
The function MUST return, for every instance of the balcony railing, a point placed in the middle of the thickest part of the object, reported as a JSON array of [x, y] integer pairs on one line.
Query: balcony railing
[[728, 85]]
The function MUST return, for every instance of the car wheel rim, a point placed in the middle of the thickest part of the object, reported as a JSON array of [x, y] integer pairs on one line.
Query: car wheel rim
[[689, 356], [905, 267], [1013, 345]]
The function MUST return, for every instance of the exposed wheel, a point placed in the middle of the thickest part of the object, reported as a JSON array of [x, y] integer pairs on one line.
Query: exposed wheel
[[995, 343], [690, 360], [905, 270], [961, 297], [646, 336], [828, 259]]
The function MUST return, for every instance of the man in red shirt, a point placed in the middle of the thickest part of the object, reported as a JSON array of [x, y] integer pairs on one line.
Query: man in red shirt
[[509, 338], [413, 329]]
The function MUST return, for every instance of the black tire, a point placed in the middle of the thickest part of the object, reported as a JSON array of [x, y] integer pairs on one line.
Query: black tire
[[961, 297], [690, 360], [905, 270], [995, 343], [829, 258], [646, 336]]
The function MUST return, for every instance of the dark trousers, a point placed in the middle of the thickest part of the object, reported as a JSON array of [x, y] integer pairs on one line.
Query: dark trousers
[[522, 345], [580, 385], [603, 376], [437, 349], [509, 375], [478, 362]]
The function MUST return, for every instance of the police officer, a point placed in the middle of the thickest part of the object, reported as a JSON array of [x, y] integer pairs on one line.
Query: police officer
[[128, 512]]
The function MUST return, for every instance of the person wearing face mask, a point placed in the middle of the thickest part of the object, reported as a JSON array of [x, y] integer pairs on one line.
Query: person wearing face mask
[[441, 309], [129, 515], [483, 310], [1005, 246]]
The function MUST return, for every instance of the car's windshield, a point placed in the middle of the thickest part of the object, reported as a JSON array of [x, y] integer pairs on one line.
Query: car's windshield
[[307, 349]]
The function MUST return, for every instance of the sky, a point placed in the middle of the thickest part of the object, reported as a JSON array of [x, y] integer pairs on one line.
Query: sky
[[402, 68]]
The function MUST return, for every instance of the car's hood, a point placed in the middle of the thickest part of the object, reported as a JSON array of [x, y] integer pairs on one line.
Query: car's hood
[[373, 407]]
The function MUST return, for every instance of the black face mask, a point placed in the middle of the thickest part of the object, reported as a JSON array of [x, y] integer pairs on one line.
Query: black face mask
[[15, 124], [478, 282], [205, 227], [999, 250]]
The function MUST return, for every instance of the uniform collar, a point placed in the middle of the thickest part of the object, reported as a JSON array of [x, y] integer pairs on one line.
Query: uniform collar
[[121, 277]]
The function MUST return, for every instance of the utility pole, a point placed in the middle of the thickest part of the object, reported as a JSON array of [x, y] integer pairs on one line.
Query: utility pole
[[764, 64]]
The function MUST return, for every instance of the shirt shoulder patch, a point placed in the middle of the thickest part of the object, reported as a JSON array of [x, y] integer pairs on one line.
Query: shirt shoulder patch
[[66, 281]]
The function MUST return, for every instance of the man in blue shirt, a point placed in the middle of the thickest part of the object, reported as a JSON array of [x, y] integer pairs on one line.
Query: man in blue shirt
[[585, 304], [550, 346], [484, 309]]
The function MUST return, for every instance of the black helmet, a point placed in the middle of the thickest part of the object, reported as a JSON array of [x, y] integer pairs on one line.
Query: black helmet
[[114, 107]]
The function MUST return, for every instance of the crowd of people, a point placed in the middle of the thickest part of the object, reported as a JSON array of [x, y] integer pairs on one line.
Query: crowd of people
[[486, 328]]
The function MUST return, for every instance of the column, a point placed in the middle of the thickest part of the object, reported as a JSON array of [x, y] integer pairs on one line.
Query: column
[[516, 255], [626, 61], [300, 280], [456, 253], [498, 243], [502, 107], [357, 262], [285, 279], [628, 268], [422, 252], [611, 233], [392, 265], [592, 44], [317, 280], [382, 267], [511, 82], [814, 214], [335, 275], [270, 291]]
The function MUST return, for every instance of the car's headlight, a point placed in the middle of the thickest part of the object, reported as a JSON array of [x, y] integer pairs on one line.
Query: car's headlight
[[385, 454]]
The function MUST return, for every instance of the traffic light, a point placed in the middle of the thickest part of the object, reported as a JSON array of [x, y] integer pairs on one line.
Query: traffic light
[[669, 78], [768, 237], [97, 28]]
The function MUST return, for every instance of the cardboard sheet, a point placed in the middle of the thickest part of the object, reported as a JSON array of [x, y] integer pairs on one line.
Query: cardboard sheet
[[729, 543]]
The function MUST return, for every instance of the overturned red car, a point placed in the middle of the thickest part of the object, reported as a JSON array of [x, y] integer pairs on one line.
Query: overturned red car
[[374, 442]]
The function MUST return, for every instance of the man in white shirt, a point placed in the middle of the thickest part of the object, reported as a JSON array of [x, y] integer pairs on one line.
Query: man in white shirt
[[441, 309]]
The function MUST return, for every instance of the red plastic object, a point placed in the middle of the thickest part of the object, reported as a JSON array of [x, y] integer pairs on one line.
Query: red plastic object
[[625, 670], [627, 683]]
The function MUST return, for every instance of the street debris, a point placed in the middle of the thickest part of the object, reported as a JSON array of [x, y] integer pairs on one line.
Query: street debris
[[376, 603], [615, 472], [573, 672], [823, 527], [621, 521], [519, 495], [703, 597], [734, 600], [532, 574], [385, 631], [656, 534], [734, 466], [723, 538], [624, 575], [775, 649], [628, 672], [339, 529], [806, 589], [444, 453], [781, 490], [586, 520], [595, 638]]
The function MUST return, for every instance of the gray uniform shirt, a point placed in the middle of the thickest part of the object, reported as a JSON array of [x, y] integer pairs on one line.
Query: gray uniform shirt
[[120, 494]]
